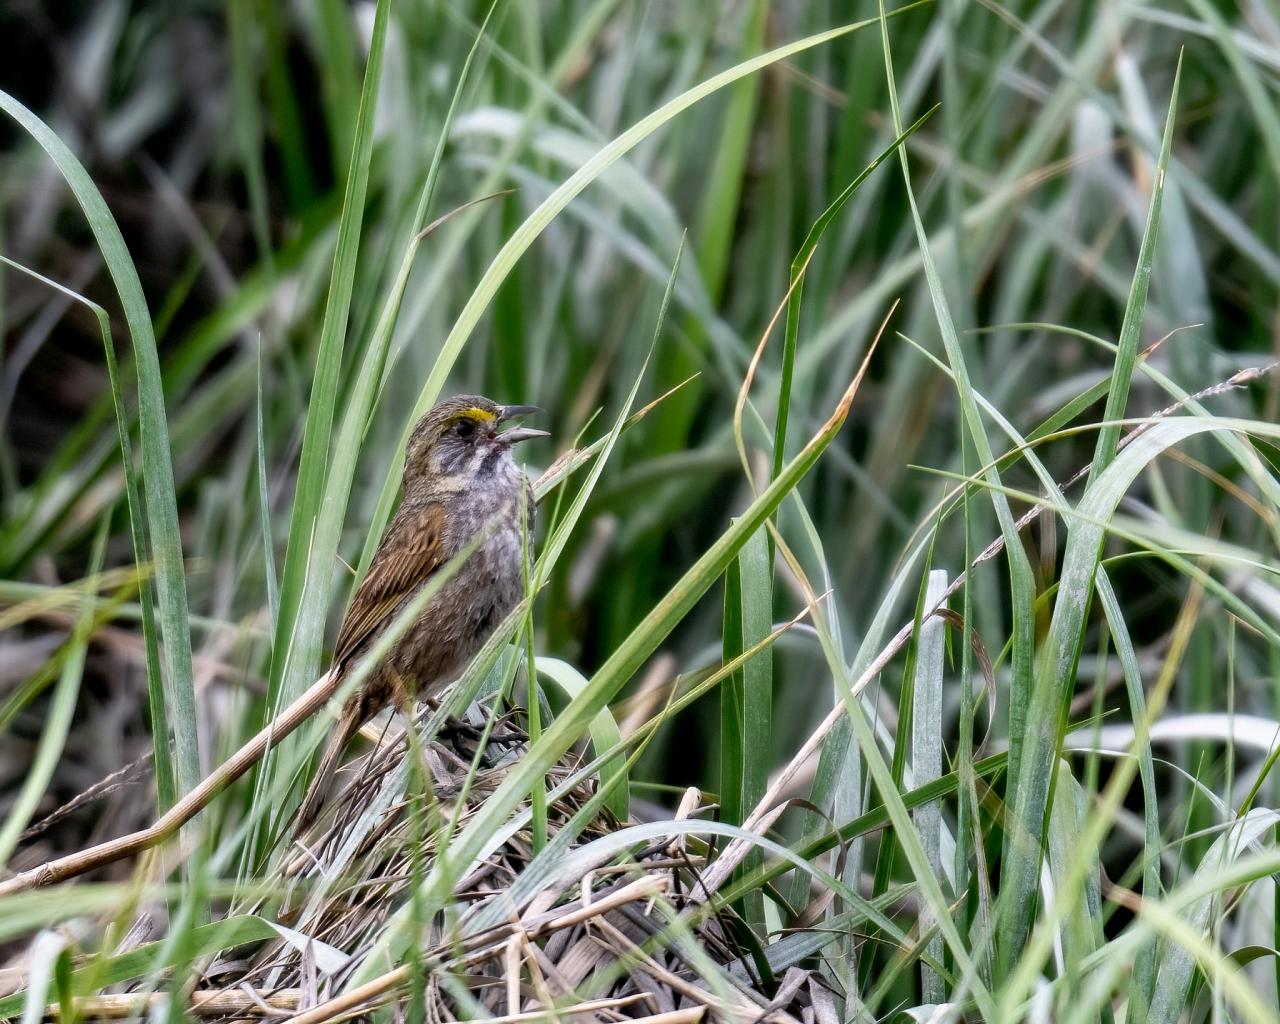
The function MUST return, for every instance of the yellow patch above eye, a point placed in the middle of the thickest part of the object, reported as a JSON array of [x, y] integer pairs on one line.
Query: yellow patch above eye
[[476, 413]]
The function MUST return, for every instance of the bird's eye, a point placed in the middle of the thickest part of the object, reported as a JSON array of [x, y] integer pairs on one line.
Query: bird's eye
[[465, 428]]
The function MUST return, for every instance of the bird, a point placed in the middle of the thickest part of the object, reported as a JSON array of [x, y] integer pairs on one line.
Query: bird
[[461, 485]]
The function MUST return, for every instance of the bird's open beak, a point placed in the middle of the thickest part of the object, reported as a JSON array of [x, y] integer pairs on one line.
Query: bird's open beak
[[517, 434]]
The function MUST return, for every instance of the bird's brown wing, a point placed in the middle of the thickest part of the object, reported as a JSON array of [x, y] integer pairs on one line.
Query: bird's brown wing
[[411, 550]]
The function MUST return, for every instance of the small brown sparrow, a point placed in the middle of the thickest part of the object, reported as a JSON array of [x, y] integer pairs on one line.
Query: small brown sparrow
[[459, 479]]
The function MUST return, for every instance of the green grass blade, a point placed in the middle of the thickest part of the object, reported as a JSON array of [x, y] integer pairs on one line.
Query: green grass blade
[[264, 503], [296, 653], [1136, 306], [157, 465], [156, 701], [1082, 921], [1178, 962], [1046, 717], [1144, 967], [746, 697], [926, 755], [604, 736], [798, 265], [720, 205], [58, 722], [1021, 579]]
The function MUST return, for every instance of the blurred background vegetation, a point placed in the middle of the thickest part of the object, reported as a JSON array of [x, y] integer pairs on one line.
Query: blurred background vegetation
[[221, 137]]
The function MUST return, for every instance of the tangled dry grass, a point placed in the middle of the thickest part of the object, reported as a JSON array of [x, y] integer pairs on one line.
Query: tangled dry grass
[[622, 940]]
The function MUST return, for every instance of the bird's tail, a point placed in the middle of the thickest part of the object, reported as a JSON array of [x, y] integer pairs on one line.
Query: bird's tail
[[353, 716]]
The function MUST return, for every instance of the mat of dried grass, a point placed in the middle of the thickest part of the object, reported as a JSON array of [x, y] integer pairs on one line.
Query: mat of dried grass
[[610, 944]]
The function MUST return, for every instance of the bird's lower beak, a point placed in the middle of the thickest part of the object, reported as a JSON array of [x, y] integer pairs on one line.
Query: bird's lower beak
[[517, 434]]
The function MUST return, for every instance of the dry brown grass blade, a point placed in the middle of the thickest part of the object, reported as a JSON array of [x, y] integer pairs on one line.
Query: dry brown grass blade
[[201, 1003], [185, 809]]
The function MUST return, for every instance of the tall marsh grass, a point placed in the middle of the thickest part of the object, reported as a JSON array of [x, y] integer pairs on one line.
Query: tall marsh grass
[[920, 359]]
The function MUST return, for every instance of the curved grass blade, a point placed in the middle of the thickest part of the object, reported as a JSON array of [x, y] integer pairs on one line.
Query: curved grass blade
[[746, 697], [926, 752], [157, 465], [798, 266], [156, 704], [1021, 578]]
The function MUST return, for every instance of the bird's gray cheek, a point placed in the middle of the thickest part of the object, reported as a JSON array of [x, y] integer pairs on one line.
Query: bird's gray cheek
[[445, 460]]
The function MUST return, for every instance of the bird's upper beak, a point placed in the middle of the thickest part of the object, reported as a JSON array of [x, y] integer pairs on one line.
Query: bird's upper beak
[[517, 434]]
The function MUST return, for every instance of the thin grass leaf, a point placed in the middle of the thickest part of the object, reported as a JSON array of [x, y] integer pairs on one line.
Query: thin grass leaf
[[156, 701], [1144, 967], [1021, 579], [53, 739], [1177, 962], [1045, 722], [264, 504], [1082, 922], [296, 652], [604, 736], [798, 265], [720, 203], [746, 697], [926, 754], [45, 951], [1135, 307]]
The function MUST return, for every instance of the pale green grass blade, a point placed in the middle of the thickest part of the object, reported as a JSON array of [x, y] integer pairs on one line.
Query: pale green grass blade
[[720, 207], [926, 755], [746, 698], [1177, 962], [247, 120], [264, 504], [335, 43], [157, 465], [146, 958], [1084, 540], [47, 948], [604, 736], [1021, 579], [969, 983], [1082, 921], [58, 723], [1143, 974], [1144, 967], [156, 701], [1135, 307]]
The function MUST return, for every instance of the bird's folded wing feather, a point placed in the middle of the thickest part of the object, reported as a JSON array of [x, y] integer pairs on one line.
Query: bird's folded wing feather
[[410, 552]]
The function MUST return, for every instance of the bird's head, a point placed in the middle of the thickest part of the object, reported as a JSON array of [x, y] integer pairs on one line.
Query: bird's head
[[462, 440]]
